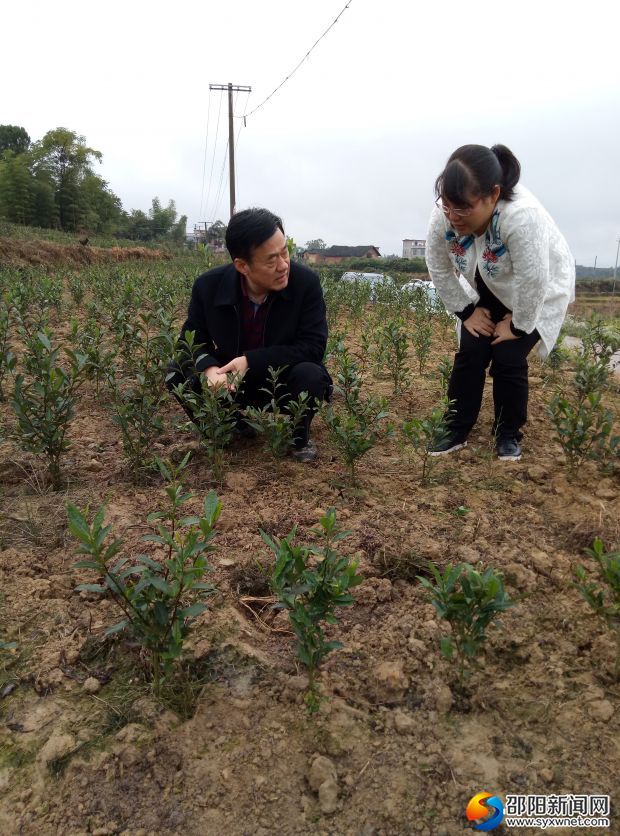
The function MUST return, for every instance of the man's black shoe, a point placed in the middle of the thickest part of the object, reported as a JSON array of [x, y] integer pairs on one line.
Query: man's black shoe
[[508, 449], [450, 444]]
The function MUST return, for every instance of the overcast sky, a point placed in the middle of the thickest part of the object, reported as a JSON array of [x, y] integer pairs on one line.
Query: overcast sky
[[348, 150]]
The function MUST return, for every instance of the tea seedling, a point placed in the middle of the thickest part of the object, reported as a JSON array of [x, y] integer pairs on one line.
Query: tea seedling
[[603, 593], [7, 358], [87, 339], [310, 583], [556, 360], [44, 400], [424, 433], [393, 347], [422, 337], [213, 409], [159, 600], [356, 432], [348, 379], [445, 371], [137, 402], [470, 601], [279, 419], [584, 426]]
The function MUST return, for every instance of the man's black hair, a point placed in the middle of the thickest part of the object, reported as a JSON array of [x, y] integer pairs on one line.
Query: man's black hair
[[249, 229]]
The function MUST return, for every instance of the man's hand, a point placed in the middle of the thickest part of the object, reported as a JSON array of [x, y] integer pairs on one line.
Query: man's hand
[[237, 366], [502, 331], [218, 375], [480, 322], [214, 377]]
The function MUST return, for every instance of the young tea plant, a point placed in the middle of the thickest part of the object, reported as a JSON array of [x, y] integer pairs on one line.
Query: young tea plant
[[158, 600], [422, 337], [584, 426], [311, 583], [444, 369], [603, 593], [137, 399], [44, 400], [394, 344], [278, 419], [7, 358], [422, 434], [87, 339], [213, 409], [356, 431], [348, 378], [470, 601]]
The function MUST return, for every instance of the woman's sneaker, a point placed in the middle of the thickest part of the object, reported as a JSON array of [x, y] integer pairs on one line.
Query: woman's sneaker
[[305, 454], [449, 444], [508, 449]]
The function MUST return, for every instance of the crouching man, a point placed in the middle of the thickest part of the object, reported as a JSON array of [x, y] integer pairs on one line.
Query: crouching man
[[257, 312]]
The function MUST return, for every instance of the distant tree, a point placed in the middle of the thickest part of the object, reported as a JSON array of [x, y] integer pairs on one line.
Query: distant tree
[[52, 183], [316, 244], [65, 160], [162, 219], [13, 138], [101, 209], [45, 211], [16, 188], [179, 230], [218, 230], [136, 226], [161, 223]]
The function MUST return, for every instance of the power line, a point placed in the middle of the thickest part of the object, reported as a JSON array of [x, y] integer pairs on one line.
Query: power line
[[305, 58], [237, 140], [204, 161], [220, 191], [217, 128], [231, 137]]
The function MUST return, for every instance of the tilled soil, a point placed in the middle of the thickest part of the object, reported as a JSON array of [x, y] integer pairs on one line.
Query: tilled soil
[[397, 747]]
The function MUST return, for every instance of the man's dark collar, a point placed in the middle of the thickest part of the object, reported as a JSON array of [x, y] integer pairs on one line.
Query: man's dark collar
[[229, 290]]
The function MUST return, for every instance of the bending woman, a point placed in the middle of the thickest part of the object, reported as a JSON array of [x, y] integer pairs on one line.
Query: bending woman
[[519, 279]]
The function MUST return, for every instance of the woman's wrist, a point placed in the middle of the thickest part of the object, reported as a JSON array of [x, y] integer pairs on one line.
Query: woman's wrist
[[466, 312]]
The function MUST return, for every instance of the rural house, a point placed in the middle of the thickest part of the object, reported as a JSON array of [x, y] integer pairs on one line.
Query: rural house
[[414, 248], [336, 254]]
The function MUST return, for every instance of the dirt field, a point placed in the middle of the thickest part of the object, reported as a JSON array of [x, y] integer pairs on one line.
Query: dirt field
[[397, 746]]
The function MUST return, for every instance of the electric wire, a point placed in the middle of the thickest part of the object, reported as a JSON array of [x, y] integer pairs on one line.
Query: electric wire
[[241, 124], [305, 58], [217, 128], [220, 190], [204, 161]]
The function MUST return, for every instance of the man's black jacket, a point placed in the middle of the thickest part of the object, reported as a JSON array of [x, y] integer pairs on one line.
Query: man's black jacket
[[295, 326]]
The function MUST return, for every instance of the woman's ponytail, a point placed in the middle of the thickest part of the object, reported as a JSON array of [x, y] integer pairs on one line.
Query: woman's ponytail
[[511, 170]]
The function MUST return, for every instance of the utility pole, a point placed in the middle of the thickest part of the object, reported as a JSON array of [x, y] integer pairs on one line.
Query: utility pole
[[207, 224], [231, 135], [613, 290]]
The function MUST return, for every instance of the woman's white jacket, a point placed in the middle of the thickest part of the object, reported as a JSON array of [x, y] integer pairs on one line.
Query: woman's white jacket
[[523, 259]]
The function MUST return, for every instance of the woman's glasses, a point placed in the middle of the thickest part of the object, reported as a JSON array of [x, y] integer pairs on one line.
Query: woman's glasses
[[459, 213]]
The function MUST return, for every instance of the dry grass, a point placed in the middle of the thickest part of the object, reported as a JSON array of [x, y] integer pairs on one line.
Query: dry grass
[[47, 253]]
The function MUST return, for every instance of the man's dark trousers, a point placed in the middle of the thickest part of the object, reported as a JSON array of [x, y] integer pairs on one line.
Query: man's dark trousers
[[312, 378]]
